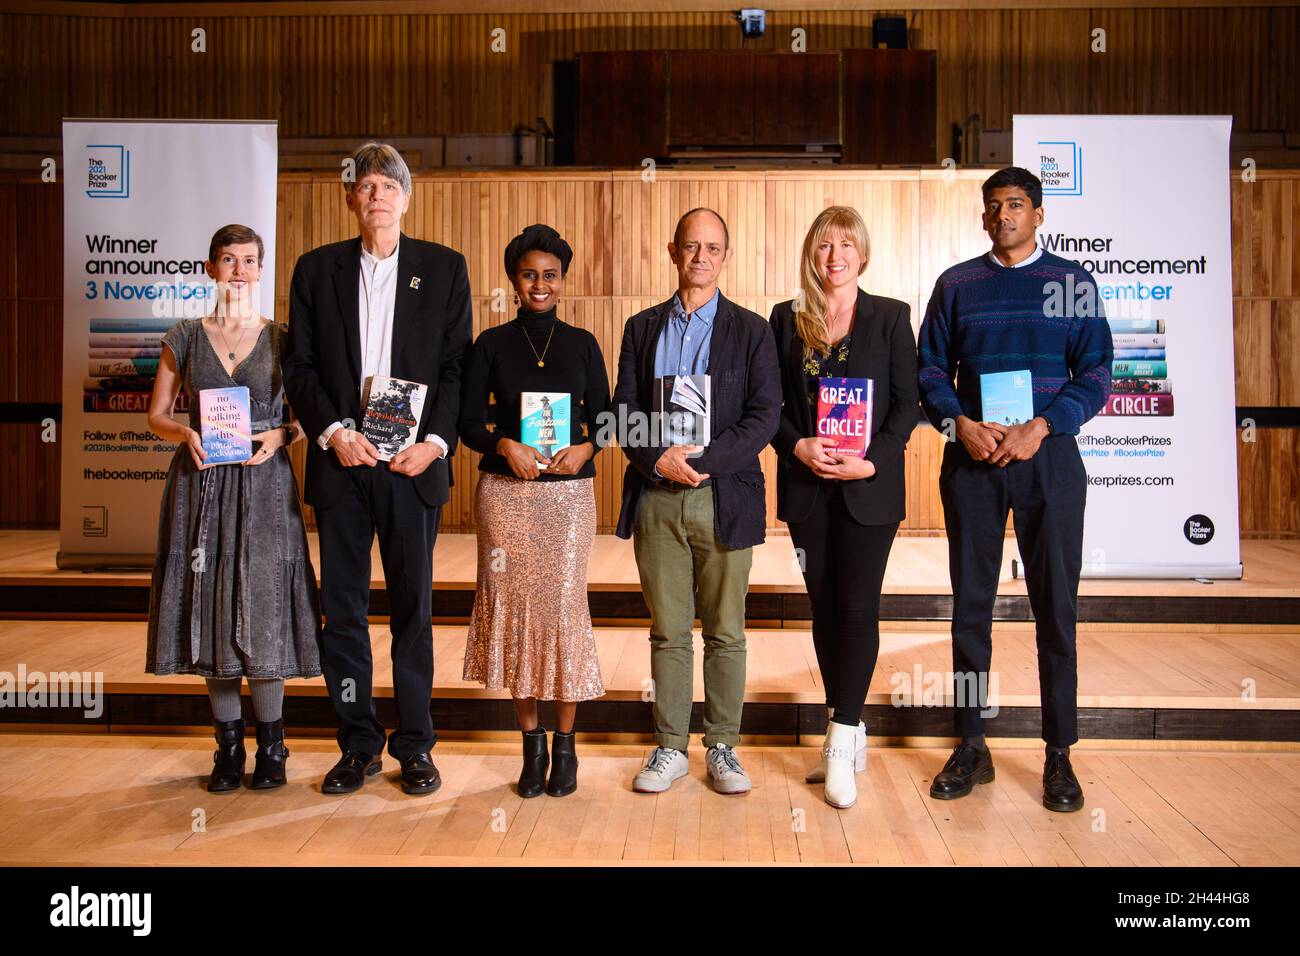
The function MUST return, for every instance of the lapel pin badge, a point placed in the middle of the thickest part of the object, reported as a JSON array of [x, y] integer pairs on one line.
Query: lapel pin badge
[[415, 282]]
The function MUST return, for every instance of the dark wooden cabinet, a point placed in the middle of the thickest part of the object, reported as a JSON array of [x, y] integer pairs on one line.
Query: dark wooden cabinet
[[622, 114], [857, 106], [889, 106], [796, 101]]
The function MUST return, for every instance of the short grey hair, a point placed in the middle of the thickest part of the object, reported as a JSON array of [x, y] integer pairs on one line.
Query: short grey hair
[[379, 158]]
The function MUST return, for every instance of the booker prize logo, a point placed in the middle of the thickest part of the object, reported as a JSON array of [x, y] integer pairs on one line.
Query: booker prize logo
[[1198, 529], [108, 172], [1060, 167]]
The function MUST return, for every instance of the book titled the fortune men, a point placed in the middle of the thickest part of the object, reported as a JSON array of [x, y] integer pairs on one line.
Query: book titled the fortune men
[[392, 414], [544, 422], [681, 405], [225, 425], [1007, 398], [844, 414]]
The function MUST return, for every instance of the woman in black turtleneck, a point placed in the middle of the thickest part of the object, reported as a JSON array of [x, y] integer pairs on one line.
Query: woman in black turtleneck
[[530, 630]]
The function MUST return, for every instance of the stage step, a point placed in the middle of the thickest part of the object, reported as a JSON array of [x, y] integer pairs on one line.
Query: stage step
[[1195, 682], [916, 586]]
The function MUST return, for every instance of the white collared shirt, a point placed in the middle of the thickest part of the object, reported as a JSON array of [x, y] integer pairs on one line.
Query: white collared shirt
[[376, 302], [376, 299], [1032, 257]]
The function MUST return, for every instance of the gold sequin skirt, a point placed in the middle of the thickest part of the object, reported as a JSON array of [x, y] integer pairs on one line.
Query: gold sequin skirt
[[530, 630]]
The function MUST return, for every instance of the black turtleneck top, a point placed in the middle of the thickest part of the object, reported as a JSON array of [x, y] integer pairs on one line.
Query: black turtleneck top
[[502, 365]]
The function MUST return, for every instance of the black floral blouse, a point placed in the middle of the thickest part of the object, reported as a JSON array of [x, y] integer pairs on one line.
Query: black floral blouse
[[833, 365]]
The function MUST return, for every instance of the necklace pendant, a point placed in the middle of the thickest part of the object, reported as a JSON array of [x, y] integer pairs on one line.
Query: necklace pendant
[[541, 364], [231, 355]]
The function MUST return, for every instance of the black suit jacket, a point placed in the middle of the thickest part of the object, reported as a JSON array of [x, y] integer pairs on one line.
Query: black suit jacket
[[322, 363], [745, 404], [883, 349]]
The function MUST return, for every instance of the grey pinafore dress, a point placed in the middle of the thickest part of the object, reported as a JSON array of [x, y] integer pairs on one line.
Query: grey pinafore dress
[[234, 592]]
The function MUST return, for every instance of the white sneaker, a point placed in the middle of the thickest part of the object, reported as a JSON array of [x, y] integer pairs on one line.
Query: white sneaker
[[839, 755], [818, 773], [664, 766], [725, 771]]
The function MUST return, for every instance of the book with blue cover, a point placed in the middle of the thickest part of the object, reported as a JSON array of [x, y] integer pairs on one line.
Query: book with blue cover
[[224, 425], [1007, 398], [1130, 355], [844, 414], [544, 422]]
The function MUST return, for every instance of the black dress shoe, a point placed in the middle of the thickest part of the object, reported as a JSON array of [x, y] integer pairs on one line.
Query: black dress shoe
[[966, 767], [532, 778], [228, 759], [564, 766], [419, 775], [351, 771], [1061, 790], [268, 770]]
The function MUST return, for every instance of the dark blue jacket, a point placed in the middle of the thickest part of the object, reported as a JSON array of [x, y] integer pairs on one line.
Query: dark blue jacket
[[745, 386]]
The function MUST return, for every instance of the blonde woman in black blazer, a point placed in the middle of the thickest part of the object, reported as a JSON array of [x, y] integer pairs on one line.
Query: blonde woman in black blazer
[[843, 512]]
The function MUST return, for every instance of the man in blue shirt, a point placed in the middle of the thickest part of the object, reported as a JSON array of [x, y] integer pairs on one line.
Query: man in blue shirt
[[695, 512]]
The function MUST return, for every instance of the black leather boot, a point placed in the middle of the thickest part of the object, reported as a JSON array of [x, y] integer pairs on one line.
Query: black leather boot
[[532, 779], [1061, 790], [228, 761], [268, 771], [967, 766], [564, 766]]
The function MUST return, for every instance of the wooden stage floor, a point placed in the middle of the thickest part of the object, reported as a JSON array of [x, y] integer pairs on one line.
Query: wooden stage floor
[[83, 800], [1193, 666]]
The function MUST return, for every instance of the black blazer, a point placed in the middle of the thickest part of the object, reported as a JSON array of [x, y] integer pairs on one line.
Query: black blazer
[[322, 361], [745, 406], [882, 349]]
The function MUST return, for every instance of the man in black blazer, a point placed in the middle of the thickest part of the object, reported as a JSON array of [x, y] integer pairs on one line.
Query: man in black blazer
[[694, 513], [381, 304]]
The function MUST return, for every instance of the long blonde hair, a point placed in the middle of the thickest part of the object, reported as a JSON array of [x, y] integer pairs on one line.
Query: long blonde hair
[[810, 320]]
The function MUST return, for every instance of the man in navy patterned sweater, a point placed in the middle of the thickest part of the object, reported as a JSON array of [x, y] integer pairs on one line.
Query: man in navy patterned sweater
[[1016, 308]]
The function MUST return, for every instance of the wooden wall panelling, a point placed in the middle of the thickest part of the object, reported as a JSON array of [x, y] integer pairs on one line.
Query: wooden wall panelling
[[920, 223], [422, 73]]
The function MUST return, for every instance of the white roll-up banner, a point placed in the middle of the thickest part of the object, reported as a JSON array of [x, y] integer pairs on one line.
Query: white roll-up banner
[[1142, 203], [141, 202]]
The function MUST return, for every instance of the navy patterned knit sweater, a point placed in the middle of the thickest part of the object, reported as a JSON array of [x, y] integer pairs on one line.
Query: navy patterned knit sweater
[[986, 318]]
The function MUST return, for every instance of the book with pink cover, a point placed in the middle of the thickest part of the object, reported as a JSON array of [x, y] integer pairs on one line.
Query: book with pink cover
[[844, 414]]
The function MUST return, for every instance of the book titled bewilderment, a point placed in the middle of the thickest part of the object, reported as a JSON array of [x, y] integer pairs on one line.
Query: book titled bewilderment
[[392, 416]]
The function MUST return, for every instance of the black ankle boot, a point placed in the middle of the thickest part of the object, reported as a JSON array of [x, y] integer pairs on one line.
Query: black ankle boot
[[532, 779], [564, 766], [268, 771], [228, 761]]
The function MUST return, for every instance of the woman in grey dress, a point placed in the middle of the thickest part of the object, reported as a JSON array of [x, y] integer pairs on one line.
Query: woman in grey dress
[[234, 592]]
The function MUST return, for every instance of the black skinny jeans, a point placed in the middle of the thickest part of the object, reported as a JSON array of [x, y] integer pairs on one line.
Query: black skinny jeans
[[844, 569]]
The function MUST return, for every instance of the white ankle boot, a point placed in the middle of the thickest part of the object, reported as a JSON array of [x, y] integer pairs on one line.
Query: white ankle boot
[[818, 773], [840, 754]]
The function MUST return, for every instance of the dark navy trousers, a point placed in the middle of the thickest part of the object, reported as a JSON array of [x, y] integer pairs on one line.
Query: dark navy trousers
[[1045, 496]]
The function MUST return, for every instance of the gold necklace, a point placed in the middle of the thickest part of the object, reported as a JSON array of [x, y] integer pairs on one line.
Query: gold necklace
[[540, 358]]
